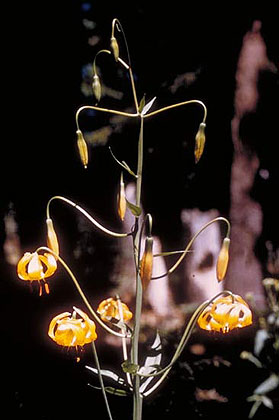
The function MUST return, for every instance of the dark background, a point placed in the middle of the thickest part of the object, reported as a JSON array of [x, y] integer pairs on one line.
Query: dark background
[[46, 46]]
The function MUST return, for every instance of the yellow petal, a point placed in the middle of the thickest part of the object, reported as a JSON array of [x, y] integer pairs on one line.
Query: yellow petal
[[54, 321], [35, 268], [21, 266], [50, 262]]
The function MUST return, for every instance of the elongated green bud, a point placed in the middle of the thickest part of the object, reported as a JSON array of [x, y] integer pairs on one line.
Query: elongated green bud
[[200, 142], [96, 86], [223, 259], [146, 264], [82, 148], [114, 47]]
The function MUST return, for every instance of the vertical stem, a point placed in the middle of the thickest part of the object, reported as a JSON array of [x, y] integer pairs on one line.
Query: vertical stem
[[140, 161], [133, 89], [137, 398], [101, 379]]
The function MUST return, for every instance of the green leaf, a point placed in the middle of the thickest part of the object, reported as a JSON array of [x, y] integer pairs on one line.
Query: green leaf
[[136, 210], [123, 164], [129, 367], [108, 374], [142, 103], [115, 391], [147, 107], [167, 253], [152, 362], [254, 408], [267, 402], [268, 385], [112, 390]]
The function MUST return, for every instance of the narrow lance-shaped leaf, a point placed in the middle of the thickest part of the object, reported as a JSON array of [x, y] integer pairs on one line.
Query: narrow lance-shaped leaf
[[268, 385], [151, 362], [108, 374], [123, 164], [142, 104], [147, 107], [136, 210]]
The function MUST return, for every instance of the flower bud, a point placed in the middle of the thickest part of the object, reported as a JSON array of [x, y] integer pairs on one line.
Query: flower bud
[[223, 259], [82, 148], [114, 47], [200, 141], [121, 199], [52, 241], [96, 86], [147, 263]]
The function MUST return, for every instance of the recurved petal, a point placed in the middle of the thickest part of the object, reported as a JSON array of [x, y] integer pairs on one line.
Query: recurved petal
[[21, 266], [54, 322], [50, 263], [70, 332], [88, 325], [35, 268]]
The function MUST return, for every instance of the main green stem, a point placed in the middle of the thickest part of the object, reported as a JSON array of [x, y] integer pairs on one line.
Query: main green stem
[[137, 398]]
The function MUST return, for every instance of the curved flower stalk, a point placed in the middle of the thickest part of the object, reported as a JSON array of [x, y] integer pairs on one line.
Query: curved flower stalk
[[84, 298], [87, 215], [236, 315], [223, 258]]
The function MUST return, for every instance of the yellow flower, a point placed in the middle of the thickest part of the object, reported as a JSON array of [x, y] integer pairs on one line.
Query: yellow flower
[[67, 330], [34, 267], [226, 313], [108, 309]]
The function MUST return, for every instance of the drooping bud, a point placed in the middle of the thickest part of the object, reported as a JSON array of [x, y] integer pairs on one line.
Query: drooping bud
[[200, 142], [121, 199], [146, 264], [96, 86], [52, 241], [82, 148], [223, 259], [114, 47]]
